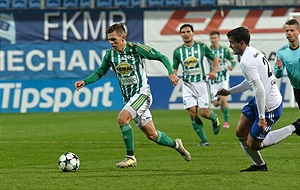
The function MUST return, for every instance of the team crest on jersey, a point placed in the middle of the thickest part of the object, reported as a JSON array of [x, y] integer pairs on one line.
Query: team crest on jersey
[[190, 61], [124, 68]]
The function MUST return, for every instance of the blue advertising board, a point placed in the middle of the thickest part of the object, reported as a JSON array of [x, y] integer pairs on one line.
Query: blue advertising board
[[44, 53], [59, 44], [67, 26], [56, 95]]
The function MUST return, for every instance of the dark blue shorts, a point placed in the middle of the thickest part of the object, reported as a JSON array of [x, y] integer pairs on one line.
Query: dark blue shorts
[[250, 111]]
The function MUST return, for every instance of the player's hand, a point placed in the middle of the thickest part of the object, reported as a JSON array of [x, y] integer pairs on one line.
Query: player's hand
[[174, 79], [262, 123], [222, 92], [279, 63], [79, 84], [229, 68], [212, 75]]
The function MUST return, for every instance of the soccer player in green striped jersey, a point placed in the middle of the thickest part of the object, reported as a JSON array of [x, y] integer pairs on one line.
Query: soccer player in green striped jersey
[[195, 94], [127, 61], [288, 57], [222, 79]]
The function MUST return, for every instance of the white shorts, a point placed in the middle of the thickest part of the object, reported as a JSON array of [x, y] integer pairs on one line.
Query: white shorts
[[215, 87], [138, 106], [195, 94]]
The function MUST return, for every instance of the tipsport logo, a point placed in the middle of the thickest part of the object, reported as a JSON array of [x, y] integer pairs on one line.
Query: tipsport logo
[[16, 97]]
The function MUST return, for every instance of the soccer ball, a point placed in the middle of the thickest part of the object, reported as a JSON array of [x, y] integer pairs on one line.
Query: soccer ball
[[68, 162]]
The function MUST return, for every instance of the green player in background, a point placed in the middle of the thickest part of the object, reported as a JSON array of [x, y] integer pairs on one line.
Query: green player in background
[[127, 61], [222, 78], [190, 55]]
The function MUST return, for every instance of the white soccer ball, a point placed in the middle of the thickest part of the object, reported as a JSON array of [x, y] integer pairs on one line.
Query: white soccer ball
[[68, 162]]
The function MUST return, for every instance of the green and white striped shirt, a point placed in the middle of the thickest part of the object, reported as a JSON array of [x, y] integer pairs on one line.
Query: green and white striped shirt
[[191, 60], [224, 55], [129, 67]]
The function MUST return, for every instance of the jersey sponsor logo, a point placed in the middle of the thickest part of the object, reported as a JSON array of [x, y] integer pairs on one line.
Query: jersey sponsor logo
[[130, 80], [195, 71], [190, 61], [124, 68]]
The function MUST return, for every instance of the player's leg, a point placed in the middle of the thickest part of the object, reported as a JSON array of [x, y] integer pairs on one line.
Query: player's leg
[[224, 104], [148, 128], [124, 118], [211, 115], [276, 136], [246, 121], [190, 104], [203, 94], [136, 105], [198, 126], [215, 99], [225, 111], [297, 96]]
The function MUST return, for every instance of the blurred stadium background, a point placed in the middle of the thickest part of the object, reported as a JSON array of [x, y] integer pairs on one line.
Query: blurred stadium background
[[67, 4], [47, 45]]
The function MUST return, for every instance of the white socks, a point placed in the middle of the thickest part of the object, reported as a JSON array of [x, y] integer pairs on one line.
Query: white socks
[[254, 155], [272, 138], [278, 135]]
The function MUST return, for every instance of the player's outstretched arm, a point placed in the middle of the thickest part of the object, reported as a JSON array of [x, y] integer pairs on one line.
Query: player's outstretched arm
[[79, 84]]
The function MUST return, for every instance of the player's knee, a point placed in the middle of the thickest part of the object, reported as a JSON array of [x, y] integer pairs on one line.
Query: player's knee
[[193, 114], [239, 134], [152, 136], [122, 120], [205, 112]]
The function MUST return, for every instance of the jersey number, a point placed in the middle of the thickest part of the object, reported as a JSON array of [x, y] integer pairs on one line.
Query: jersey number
[[266, 62]]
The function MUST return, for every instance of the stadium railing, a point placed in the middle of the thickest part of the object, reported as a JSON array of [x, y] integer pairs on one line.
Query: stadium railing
[[18, 5], [121, 3], [53, 4], [34, 4], [104, 3], [4, 4], [70, 3]]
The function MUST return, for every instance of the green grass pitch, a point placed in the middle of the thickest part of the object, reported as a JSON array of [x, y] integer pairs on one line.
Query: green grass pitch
[[32, 143]]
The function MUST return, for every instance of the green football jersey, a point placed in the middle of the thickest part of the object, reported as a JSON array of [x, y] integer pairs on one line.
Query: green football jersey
[[192, 61], [224, 56], [129, 67]]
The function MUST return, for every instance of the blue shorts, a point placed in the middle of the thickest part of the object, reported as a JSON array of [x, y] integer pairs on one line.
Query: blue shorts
[[250, 111]]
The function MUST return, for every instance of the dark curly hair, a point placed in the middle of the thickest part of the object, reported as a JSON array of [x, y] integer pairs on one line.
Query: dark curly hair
[[240, 34]]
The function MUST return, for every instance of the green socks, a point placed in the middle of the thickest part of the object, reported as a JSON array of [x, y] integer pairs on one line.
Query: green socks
[[128, 138], [213, 116], [226, 114], [198, 127], [163, 139]]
